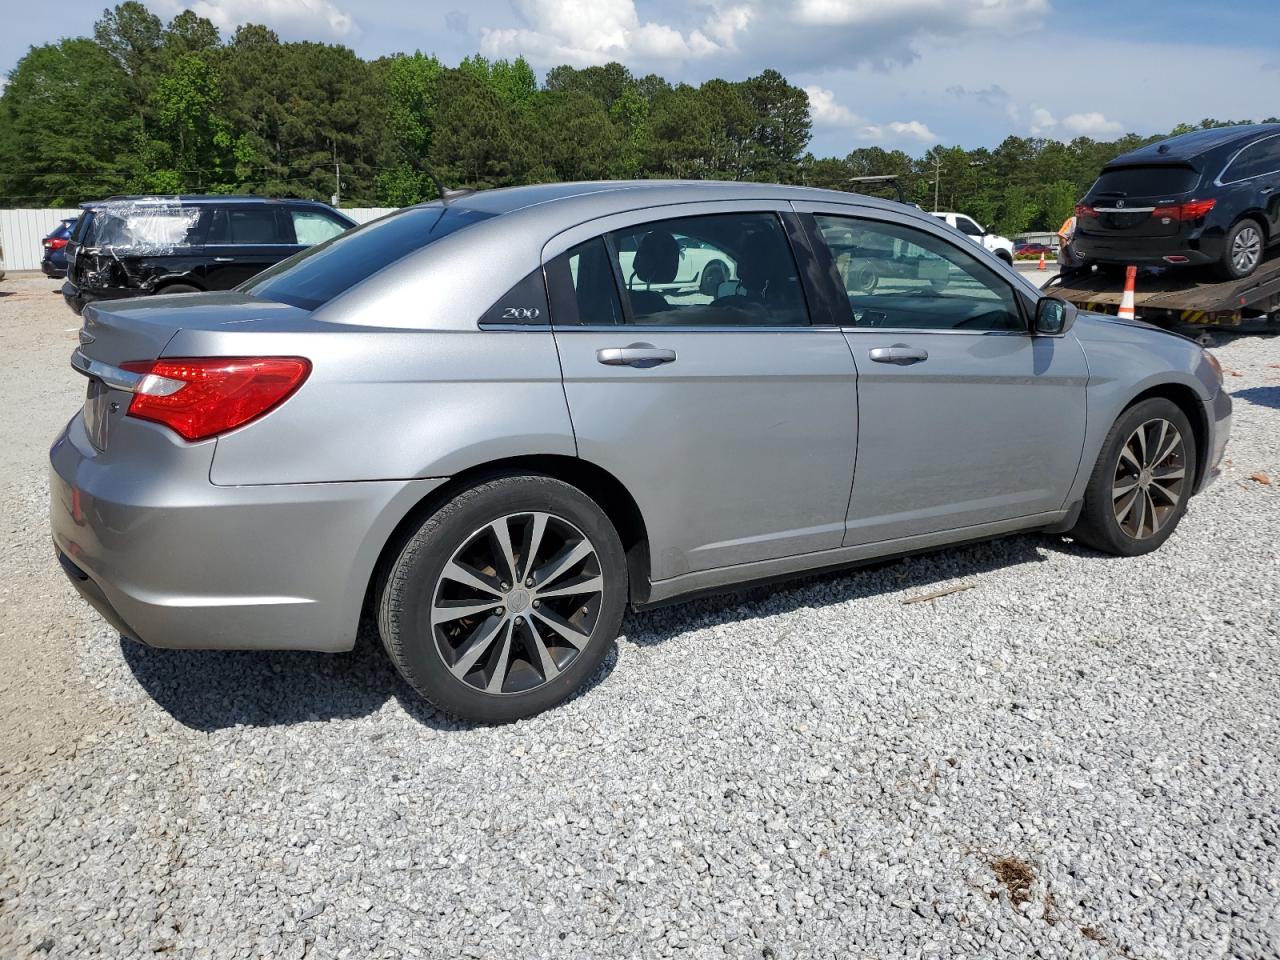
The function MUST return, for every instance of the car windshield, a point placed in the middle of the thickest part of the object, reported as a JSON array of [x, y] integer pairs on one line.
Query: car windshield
[[1148, 181], [315, 276]]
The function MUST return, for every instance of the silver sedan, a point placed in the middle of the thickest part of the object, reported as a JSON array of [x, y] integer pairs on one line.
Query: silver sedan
[[494, 423]]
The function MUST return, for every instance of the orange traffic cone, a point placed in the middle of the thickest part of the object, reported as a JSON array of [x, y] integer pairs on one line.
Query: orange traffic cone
[[1041, 259], [1126, 302]]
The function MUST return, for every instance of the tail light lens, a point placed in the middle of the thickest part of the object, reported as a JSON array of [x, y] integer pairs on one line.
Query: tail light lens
[[1084, 211], [55, 243], [1184, 212], [201, 397]]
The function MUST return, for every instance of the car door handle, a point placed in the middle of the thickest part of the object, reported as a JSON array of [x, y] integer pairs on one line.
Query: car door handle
[[635, 355], [224, 259], [1267, 190], [899, 353]]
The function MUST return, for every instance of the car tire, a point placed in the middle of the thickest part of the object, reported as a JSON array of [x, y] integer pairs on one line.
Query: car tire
[[1242, 250], [177, 288], [513, 659], [713, 274], [1140, 486], [1006, 256]]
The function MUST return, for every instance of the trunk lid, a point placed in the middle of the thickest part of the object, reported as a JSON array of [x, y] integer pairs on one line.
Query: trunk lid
[[1126, 199], [122, 331]]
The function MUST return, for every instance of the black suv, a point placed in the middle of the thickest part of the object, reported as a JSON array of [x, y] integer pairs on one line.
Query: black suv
[[1209, 197], [134, 246]]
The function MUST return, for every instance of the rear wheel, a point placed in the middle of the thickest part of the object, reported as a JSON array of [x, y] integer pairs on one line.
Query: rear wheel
[[1140, 486], [1241, 251], [506, 599], [714, 274]]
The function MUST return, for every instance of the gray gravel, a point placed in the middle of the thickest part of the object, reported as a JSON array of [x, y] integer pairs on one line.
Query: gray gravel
[[814, 770]]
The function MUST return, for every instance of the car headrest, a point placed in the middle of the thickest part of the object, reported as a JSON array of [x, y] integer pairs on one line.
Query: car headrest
[[657, 258]]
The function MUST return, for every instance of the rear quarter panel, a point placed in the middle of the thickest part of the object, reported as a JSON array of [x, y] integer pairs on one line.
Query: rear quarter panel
[[383, 404]]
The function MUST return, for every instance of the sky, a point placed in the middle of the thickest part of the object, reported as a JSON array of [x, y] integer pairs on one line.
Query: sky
[[894, 73]]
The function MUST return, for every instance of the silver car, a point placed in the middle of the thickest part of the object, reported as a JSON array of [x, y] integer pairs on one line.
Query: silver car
[[470, 421]]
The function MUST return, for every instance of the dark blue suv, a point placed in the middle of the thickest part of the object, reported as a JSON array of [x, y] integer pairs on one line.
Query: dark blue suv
[[135, 246], [54, 260], [1210, 197]]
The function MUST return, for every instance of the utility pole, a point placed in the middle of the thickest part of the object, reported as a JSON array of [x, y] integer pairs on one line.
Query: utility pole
[[937, 178], [337, 176]]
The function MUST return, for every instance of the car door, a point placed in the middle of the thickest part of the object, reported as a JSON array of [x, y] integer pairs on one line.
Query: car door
[[964, 417], [728, 415], [243, 240]]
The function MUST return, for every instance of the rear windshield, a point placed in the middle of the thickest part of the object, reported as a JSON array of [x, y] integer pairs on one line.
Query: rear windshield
[[315, 276], [1162, 181]]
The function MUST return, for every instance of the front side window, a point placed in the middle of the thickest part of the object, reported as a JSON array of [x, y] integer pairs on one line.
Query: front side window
[[968, 226], [733, 269], [310, 227], [898, 276]]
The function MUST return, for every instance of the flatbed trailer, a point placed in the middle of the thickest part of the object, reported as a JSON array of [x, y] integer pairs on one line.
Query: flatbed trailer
[[1182, 299]]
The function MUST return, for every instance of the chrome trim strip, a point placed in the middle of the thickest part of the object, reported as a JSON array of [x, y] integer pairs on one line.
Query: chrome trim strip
[[1124, 209], [113, 377]]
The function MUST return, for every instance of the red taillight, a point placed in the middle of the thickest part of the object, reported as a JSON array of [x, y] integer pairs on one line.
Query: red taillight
[[55, 243], [1191, 210], [201, 397], [1083, 210]]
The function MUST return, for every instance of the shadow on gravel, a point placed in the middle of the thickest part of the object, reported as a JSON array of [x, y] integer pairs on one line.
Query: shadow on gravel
[[915, 574], [1262, 396], [214, 690]]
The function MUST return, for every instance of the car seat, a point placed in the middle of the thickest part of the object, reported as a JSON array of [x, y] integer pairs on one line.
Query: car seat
[[657, 260]]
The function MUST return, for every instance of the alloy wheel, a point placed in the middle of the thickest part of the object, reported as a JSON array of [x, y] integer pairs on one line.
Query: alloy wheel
[[1246, 249], [517, 603], [1150, 479]]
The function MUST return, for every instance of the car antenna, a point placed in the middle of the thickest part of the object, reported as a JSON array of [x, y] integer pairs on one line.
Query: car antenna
[[448, 195]]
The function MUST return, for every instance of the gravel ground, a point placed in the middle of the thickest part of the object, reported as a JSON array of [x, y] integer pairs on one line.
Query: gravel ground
[[1077, 756]]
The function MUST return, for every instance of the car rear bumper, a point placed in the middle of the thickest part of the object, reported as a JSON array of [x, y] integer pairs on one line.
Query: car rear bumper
[[1145, 251], [78, 298], [53, 270], [207, 567]]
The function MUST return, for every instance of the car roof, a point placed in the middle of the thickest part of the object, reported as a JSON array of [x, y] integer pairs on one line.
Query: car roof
[[602, 197], [1190, 146], [197, 200]]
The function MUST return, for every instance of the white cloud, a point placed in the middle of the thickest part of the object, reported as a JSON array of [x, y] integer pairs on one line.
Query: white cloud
[[1092, 124], [1042, 121], [307, 18], [585, 32], [826, 112], [910, 130], [971, 12]]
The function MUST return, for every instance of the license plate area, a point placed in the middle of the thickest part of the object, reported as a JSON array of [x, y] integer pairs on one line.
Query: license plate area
[[97, 408]]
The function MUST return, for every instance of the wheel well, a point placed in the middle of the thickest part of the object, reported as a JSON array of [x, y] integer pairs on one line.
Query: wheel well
[[1260, 218], [1188, 401], [174, 282], [596, 482]]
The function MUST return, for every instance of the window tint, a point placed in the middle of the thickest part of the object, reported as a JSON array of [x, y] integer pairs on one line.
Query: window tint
[[318, 274], [525, 303], [583, 287], [1145, 182], [965, 225], [1254, 161], [718, 270], [251, 223], [898, 276]]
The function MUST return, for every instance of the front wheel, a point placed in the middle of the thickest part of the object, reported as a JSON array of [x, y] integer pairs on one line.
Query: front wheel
[[506, 599], [1143, 479]]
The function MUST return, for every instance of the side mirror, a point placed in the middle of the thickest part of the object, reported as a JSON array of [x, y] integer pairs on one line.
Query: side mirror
[[1054, 317]]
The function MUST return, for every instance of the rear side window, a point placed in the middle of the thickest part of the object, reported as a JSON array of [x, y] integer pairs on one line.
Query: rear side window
[[318, 274], [583, 287], [143, 228], [251, 223], [1151, 181], [1255, 160]]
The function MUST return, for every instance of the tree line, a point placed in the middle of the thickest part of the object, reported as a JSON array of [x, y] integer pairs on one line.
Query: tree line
[[149, 107]]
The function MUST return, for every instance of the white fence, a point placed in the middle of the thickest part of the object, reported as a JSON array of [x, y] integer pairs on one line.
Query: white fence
[[22, 230]]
